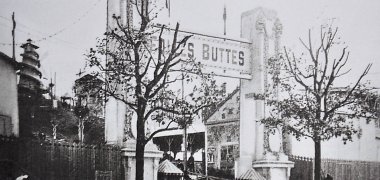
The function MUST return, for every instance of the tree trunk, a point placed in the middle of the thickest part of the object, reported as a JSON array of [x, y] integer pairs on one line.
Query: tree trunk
[[140, 148], [317, 160]]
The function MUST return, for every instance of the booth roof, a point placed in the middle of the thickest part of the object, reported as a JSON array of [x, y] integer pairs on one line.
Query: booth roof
[[168, 168], [251, 174]]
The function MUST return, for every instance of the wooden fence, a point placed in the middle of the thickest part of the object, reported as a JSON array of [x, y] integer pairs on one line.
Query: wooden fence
[[303, 168], [338, 169], [57, 161]]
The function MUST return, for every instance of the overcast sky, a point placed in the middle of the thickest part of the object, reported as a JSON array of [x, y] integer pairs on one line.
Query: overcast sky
[[65, 29]]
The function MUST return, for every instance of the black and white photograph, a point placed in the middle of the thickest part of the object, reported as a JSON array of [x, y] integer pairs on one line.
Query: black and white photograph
[[189, 90]]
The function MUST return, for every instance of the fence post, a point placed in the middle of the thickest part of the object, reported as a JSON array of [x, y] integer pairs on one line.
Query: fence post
[[93, 159]]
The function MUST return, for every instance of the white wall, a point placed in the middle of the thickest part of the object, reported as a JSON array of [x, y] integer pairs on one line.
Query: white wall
[[8, 93], [365, 148]]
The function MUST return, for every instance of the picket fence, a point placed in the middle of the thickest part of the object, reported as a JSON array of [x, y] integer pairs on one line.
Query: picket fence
[[338, 169], [43, 160]]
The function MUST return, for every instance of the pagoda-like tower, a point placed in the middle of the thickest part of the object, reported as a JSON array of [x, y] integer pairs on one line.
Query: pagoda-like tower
[[30, 74], [29, 87]]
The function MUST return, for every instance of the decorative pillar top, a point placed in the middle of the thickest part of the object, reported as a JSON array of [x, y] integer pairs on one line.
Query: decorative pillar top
[[128, 135], [277, 28], [260, 24]]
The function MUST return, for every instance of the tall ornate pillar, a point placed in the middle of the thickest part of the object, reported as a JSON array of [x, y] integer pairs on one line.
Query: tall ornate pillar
[[115, 109], [264, 150]]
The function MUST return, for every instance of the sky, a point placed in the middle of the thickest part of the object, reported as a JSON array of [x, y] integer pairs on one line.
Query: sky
[[66, 29]]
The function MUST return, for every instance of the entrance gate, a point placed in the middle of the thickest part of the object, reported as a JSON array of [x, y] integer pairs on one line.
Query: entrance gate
[[244, 59]]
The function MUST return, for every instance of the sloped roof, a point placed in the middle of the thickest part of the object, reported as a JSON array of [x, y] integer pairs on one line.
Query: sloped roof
[[168, 168], [251, 174], [222, 103], [29, 42], [87, 78], [9, 60], [192, 129]]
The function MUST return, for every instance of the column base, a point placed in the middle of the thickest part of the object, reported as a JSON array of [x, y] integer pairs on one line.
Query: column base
[[273, 169], [244, 164], [151, 160]]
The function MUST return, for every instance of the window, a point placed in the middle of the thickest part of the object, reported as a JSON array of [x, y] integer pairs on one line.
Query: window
[[229, 139], [5, 125], [227, 156], [230, 110], [210, 154], [227, 153], [210, 157]]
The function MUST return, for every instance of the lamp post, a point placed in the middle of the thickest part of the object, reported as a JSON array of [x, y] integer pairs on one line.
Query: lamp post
[[53, 110], [81, 112], [185, 118], [185, 149]]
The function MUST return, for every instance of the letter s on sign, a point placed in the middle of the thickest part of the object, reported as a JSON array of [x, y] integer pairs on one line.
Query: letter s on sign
[[190, 48], [241, 58]]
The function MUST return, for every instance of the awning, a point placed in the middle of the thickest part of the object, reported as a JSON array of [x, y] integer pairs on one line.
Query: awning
[[194, 128], [168, 168]]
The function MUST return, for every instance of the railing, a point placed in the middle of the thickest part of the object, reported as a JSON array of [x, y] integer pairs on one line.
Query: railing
[[303, 168], [66, 161], [338, 169]]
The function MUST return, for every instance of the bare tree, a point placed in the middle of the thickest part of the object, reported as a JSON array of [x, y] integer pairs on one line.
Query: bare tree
[[310, 103], [145, 74]]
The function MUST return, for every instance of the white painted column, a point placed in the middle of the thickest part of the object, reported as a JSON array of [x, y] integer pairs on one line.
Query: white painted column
[[114, 121], [115, 110], [254, 144], [259, 86], [247, 145], [113, 7], [251, 133]]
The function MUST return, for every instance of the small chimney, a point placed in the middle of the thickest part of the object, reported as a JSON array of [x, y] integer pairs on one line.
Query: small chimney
[[223, 91]]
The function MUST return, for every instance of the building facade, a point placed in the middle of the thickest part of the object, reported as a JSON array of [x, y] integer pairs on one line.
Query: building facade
[[222, 131], [9, 118], [87, 94]]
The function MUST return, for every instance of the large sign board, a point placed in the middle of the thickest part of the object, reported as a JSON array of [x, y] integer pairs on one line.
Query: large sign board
[[222, 56]]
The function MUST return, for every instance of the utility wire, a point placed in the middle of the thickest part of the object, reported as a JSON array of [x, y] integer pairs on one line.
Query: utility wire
[[58, 32], [69, 44]]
